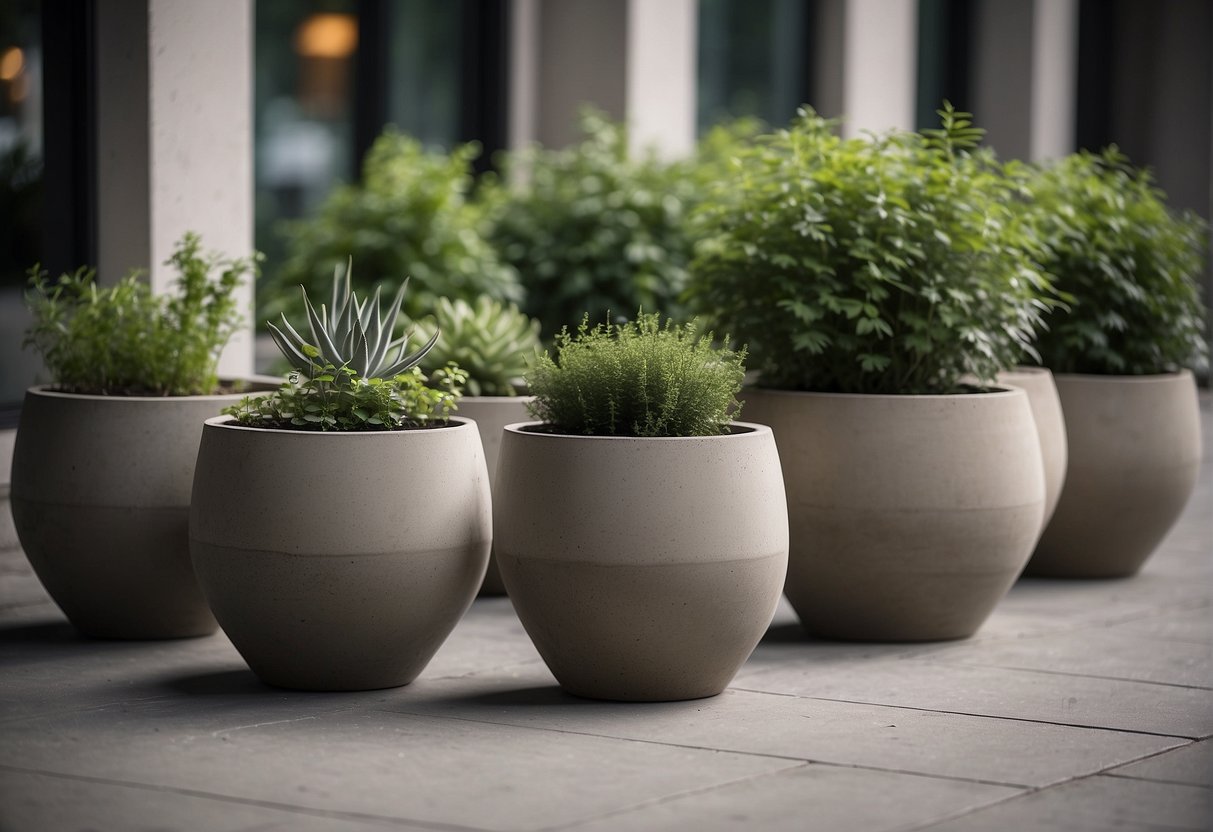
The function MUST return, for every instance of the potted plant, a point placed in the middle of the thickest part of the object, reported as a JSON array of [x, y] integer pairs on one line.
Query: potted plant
[[1121, 352], [104, 455], [341, 525], [870, 277], [641, 535], [492, 342]]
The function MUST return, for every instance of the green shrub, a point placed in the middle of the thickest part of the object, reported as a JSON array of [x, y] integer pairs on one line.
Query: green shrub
[[638, 378], [896, 263], [123, 340], [350, 373], [411, 216], [491, 341], [596, 232], [1128, 265]]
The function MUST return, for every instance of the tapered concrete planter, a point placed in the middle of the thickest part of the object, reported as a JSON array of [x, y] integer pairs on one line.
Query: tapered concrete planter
[[491, 414], [1038, 383], [643, 569], [100, 500], [1135, 450], [339, 561], [911, 516]]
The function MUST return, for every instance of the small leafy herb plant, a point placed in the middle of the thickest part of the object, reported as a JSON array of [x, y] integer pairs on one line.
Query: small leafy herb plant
[[896, 263], [123, 340], [492, 341], [639, 378], [1129, 266], [351, 375]]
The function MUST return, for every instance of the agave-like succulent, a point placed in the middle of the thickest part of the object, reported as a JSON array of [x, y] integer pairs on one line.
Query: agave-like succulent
[[355, 334], [490, 340]]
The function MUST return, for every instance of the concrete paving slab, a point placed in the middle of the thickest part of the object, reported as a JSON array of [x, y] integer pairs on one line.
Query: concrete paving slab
[[1094, 804], [414, 769], [1184, 625], [897, 739], [812, 798], [40, 802], [1192, 764]]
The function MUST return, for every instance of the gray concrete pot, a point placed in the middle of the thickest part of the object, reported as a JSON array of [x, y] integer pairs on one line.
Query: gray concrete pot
[[643, 569], [1135, 451], [339, 561], [491, 414], [911, 516], [1038, 383], [100, 500]]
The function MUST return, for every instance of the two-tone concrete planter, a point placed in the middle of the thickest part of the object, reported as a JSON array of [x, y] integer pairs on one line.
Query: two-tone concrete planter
[[1135, 451], [491, 414], [911, 516], [340, 560], [100, 499], [642, 568], [1038, 383]]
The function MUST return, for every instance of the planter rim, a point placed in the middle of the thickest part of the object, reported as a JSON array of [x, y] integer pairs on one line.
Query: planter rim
[[1146, 378], [492, 399], [749, 429], [998, 391], [229, 423], [47, 390]]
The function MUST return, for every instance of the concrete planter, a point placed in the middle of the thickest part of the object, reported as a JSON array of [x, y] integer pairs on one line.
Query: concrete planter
[[1135, 450], [339, 561], [643, 569], [911, 516], [100, 501], [1038, 383], [491, 414]]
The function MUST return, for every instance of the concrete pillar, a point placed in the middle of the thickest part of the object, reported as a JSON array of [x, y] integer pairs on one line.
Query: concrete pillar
[[633, 59], [174, 138]]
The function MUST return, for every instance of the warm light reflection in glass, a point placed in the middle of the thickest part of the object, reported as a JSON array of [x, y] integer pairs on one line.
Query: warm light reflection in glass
[[327, 36], [11, 63]]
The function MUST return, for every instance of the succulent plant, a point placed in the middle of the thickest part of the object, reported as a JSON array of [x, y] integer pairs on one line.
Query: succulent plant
[[354, 335], [490, 340]]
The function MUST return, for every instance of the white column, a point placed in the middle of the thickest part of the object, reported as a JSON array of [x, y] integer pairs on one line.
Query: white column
[[880, 60], [1054, 77], [175, 142], [660, 75]]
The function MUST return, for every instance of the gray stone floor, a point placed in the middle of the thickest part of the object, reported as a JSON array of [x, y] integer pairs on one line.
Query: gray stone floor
[[1079, 706]]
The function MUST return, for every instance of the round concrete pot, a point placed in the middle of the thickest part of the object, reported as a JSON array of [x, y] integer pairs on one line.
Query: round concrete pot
[[1135, 451], [643, 569], [339, 561], [911, 516], [1038, 383], [100, 500], [491, 414]]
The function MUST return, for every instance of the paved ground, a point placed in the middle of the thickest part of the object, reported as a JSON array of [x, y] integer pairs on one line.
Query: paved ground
[[1079, 706]]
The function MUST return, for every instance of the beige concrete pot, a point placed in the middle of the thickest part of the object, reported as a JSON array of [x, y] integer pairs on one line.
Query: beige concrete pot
[[100, 499], [339, 561], [1135, 451], [491, 414], [643, 569], [1038, 383], [911, 516]]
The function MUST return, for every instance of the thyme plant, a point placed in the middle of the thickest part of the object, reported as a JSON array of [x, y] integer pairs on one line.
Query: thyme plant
[[895, 263], [638, 378], [123, 340], [1129, 266]]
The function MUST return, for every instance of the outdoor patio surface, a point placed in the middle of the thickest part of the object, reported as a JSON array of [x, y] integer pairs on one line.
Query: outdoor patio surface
[[1079, 706]]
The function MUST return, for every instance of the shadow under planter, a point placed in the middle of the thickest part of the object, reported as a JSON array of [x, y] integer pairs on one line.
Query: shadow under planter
[[911, 516], [1135, 451], [644, 569]]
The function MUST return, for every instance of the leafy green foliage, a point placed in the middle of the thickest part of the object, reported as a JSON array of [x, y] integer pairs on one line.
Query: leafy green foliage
[[638, 378], [594, 231], [1129, 266], [493, 342], [356, 335], [895, 263], [329, 398], [410, 217], [123, 340], [351, 381]]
